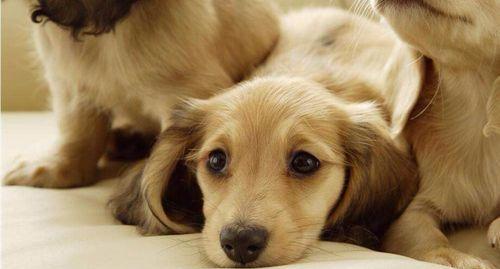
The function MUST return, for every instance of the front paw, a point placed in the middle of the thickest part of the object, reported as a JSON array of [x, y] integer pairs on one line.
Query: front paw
[[494, 234], [48, 172], [455, 259]]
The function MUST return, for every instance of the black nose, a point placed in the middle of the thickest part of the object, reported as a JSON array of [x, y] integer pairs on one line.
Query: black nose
[[243, 244]]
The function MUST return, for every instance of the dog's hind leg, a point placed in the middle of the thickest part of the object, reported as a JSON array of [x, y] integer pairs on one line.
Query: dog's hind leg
[[420, 226]]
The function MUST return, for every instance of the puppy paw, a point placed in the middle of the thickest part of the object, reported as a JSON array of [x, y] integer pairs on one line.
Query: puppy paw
[[456, 259], [494, 234], [47, 173]]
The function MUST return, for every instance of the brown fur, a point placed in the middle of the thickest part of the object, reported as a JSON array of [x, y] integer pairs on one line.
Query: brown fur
[[452, 127], [159, 53], [301, 99], [386, 201]]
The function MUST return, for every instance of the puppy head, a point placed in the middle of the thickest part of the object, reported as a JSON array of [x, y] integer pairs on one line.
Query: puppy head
[[278, 161], [282, 169], [90, 16], [455, 32]]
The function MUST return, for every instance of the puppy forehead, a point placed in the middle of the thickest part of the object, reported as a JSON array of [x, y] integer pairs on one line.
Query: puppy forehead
[[272, 101], [277, 114]]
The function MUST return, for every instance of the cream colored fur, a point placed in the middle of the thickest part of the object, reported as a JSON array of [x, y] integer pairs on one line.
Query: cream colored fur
[[459, 164], [160, 52], [317, 92]]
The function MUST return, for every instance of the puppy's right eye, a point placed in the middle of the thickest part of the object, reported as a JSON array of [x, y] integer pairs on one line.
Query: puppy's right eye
[[303, 164], [217, 161]]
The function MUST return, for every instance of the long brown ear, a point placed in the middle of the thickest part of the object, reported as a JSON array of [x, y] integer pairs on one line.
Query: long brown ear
[[161, 195], [380, 180], [403, 78], [493, 110]]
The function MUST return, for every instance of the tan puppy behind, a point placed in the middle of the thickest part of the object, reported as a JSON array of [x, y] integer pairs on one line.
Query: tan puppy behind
[[108, 59], [454, 130], [300, 150]]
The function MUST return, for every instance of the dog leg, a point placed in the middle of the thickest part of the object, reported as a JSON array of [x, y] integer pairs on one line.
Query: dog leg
[[72, 161], [417, 234], [494, 234]]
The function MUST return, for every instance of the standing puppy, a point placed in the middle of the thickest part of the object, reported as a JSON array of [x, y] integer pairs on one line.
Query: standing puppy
[[105, 59], [454, 127]]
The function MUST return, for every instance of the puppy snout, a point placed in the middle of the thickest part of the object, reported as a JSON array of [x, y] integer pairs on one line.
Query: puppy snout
[[243, 244]]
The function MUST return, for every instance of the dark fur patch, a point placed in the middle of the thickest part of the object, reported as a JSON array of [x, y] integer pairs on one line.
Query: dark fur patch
[[181, 197], [381, 182], [129, 145], [91, 17], [182, 200]]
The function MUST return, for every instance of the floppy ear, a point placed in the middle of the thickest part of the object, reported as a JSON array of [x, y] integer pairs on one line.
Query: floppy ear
[[161, 195], [493, 110], [403, 78], [380, 179]]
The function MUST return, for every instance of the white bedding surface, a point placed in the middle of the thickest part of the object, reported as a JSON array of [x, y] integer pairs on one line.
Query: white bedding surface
[[43, 228]]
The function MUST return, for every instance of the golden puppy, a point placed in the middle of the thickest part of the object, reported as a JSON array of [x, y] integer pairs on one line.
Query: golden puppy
[[455, 127], [106, 60], [300, 150]]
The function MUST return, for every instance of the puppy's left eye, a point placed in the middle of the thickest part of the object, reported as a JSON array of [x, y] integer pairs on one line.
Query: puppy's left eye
[[217, 161], [303, 163]]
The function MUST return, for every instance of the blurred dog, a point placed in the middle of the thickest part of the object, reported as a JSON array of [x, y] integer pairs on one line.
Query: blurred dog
[[455, 130], [301, 149], [110, 60]]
